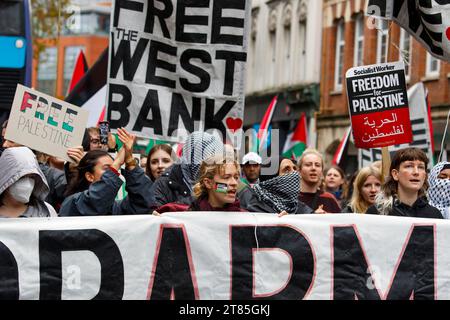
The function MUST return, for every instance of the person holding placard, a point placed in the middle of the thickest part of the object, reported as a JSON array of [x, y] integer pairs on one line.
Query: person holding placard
[[95, 187], [404, 191], [23, 187]]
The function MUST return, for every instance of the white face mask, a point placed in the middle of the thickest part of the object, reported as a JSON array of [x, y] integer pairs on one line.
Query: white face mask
[[21, 190]]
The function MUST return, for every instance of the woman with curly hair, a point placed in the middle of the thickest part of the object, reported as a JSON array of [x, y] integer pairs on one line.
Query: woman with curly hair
[[215, 190]]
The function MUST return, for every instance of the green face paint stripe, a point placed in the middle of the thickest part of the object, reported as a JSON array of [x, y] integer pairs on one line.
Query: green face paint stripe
[[221, 187]]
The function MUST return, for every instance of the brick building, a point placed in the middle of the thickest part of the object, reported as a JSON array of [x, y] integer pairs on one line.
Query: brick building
[[350, 39], [89, 31], [284, 60]]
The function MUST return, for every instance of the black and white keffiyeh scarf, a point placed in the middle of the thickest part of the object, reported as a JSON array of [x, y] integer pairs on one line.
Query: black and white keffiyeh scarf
[[280, 192], [198, 147], [439, 190]]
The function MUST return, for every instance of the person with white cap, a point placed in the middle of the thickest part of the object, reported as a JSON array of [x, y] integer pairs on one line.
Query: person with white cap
[[251, 168]]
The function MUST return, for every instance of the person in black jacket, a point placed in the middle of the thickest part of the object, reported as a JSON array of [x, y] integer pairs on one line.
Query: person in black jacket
[[159, 158], [177, 182], [276, 193], [403, 193]]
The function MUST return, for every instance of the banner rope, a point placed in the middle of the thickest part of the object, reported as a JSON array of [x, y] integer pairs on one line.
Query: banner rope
[[256, 227], [257, 243]]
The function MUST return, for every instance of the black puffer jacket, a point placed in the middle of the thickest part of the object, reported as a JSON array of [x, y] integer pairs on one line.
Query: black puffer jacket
[[170, 187], [419, 209], [249, 201], [57, 183]]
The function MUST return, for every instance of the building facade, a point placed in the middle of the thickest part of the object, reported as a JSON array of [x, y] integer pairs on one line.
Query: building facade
[[284, 60], [351, 39], [87, 30]]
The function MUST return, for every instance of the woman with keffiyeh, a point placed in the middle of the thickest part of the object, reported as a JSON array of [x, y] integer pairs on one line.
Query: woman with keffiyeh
[[276, 193], [439, 190], [177, 182]]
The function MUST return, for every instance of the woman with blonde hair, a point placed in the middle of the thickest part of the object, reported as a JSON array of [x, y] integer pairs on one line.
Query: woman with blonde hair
[[216, 188], [310, 166], [366, 186]]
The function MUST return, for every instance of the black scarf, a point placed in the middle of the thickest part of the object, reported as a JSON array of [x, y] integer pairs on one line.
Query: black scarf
[[280, 192]]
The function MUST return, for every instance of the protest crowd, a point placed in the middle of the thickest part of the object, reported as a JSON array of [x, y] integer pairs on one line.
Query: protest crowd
[[208, 177], [216, 207]]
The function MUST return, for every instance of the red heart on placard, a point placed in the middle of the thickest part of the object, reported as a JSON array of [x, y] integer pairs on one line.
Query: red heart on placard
[[234, 123]]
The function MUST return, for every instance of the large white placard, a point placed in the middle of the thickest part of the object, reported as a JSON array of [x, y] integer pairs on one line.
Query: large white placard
[[44, 123], [178, 66]]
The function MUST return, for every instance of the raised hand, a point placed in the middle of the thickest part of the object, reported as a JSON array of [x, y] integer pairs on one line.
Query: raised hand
[[76, 154], [111, 141], [119, 160], [128, 140]]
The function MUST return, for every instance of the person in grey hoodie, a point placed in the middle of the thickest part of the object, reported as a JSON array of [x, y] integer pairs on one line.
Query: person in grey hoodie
[[23, 186], [94, 190]]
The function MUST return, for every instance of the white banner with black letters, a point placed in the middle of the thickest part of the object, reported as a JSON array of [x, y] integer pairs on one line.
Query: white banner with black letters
[[178, 66], [206, 255]]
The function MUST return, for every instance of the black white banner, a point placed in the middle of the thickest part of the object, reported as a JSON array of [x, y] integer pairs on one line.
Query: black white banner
[[212, 255], [427, 20], [177, 66]]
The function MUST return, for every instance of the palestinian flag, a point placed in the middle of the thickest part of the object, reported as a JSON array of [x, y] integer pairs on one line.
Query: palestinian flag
[[296, 141], [427, 21], [152, 143], [263, 132], [79, 70], [342, 147], [90, 91]]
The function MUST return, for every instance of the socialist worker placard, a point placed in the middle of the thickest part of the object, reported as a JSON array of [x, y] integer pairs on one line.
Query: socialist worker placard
[[378, 105]]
